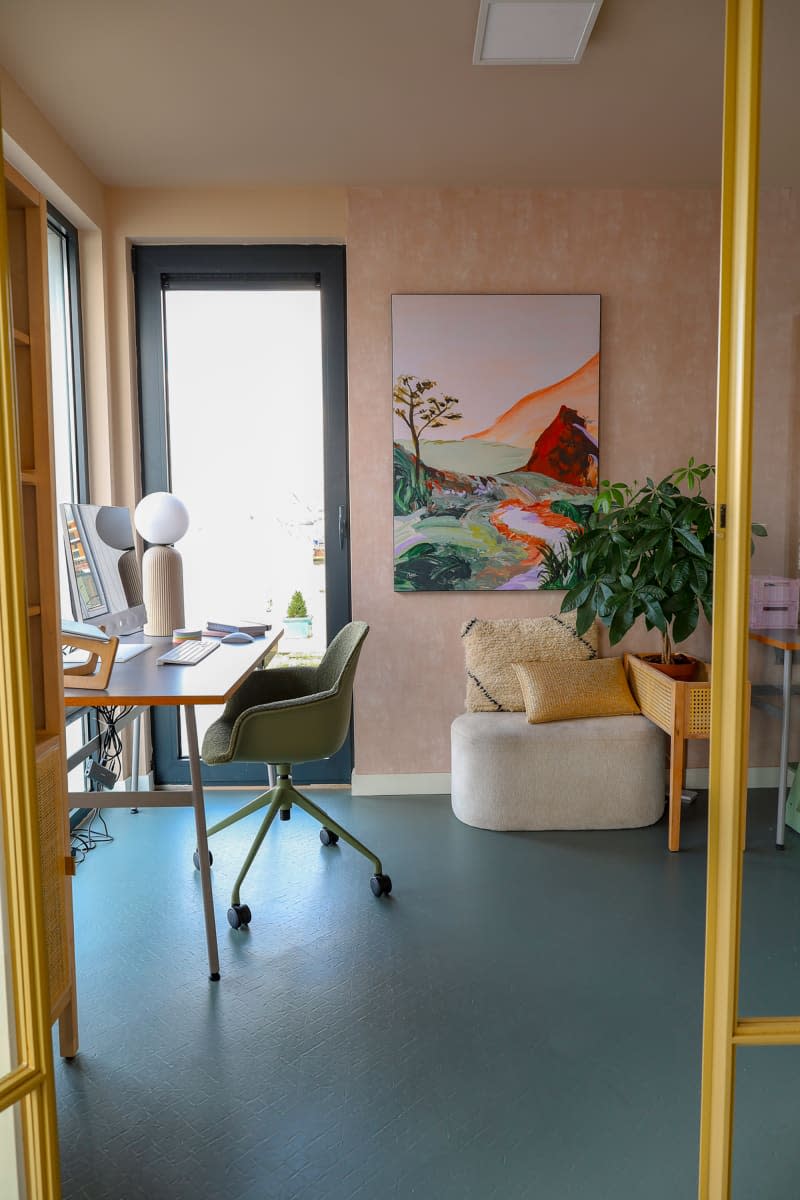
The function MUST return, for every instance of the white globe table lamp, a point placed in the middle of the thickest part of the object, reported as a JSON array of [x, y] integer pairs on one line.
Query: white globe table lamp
[[162, 519]]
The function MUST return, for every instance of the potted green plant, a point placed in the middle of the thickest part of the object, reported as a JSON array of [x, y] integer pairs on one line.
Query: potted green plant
[[642, 551], [297, 622]]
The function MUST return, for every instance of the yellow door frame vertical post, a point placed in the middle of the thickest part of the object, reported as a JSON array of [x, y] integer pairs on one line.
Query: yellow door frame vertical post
[[729, 674], [31, 1083]]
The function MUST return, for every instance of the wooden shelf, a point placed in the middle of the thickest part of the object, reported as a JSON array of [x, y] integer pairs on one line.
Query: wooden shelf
[[26, 213]]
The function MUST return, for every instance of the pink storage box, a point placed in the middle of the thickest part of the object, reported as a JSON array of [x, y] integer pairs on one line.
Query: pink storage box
[[773, 602]]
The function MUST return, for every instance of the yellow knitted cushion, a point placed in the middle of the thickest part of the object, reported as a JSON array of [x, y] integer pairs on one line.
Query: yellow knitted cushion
[[564, 691], [490, 647]]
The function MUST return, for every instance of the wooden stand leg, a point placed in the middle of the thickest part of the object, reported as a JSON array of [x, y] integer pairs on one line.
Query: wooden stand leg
[[68, 1028], [677, 766]]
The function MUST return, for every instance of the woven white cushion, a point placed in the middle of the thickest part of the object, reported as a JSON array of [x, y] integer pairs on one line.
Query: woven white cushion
[[490, 647]]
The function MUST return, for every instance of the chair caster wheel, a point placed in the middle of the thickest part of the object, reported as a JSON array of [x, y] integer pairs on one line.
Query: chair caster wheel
[[196, 859], [328, 837], [381, 885], [239, 915]]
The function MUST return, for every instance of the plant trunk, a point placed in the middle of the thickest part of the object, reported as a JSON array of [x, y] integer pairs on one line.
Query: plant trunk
[[667, 648]]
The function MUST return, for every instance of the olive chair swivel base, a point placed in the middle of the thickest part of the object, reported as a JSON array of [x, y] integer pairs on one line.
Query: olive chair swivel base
[[282, 716]]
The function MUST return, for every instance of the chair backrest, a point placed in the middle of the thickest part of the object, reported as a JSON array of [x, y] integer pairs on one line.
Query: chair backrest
[[337, 668]]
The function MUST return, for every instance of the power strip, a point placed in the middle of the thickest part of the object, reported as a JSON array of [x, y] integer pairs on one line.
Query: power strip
[[101, 775]]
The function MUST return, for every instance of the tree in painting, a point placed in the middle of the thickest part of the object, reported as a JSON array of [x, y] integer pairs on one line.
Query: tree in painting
[[421, 411]]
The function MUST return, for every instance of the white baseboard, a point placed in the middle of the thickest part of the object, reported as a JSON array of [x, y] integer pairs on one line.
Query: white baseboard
[[146, 784], [437, 783], [757, 777]]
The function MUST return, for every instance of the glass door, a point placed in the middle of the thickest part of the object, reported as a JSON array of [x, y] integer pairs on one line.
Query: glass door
[[244, 418]]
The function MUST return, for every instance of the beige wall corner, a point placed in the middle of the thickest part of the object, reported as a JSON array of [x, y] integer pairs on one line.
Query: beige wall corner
[[42, 155]]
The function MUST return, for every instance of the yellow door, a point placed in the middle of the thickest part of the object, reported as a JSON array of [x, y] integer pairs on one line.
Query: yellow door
[[28, 1136]]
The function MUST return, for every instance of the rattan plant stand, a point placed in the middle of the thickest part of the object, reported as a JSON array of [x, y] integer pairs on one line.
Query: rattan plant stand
[[683, 710]]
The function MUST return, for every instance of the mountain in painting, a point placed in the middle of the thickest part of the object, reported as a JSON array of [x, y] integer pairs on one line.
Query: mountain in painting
[[526, 421], [566, 451]]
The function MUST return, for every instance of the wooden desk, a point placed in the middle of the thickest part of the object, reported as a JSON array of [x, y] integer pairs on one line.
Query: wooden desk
[[787, 640], [143, 683]]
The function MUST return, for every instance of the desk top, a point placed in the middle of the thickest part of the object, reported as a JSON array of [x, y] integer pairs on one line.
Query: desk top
[[142, 681], [782, 639]]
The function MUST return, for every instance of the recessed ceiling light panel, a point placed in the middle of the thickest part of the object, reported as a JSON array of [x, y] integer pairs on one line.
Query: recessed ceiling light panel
[[516, 32]]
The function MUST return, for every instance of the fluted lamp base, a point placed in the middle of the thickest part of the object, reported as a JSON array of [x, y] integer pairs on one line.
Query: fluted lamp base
[[162, 582]]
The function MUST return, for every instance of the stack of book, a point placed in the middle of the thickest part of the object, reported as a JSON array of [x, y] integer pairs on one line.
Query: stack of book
[[219, 629]]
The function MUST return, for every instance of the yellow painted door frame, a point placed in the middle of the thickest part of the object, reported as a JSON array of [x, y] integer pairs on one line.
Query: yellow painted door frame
[[723, 1028], [30, 1084]]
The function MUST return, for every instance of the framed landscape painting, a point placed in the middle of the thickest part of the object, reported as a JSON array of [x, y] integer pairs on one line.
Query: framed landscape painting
[[495, 429]]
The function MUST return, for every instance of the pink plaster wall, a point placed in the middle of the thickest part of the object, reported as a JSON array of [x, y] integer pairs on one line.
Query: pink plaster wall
[[652, 255]]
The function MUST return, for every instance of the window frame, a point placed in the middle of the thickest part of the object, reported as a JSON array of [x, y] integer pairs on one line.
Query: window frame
[[65, 229], [57, 222]]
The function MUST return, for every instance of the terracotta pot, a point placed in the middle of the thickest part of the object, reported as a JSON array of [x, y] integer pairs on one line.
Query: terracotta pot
[[683, 667]]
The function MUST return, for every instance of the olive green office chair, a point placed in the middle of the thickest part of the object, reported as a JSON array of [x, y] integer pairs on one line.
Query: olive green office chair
[[283, 716]]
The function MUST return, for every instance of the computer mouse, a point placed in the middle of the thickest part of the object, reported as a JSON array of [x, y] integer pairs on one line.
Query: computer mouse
[[235, 639]]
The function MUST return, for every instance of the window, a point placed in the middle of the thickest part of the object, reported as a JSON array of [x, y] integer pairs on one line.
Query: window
[[69, 424]]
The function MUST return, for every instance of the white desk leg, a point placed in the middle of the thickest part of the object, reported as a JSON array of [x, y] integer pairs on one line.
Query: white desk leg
[[137, 737], [202, 842], [780, 829]]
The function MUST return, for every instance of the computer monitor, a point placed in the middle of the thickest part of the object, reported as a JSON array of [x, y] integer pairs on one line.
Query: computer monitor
[[104, 580]]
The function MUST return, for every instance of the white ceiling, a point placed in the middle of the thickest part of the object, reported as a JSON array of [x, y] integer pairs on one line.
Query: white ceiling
[[378, 92]]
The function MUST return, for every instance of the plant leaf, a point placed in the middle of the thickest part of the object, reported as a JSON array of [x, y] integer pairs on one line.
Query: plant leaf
[[690, 541], [685, 623], [577, 596], [655, 614], [583, 618], [622, 622]]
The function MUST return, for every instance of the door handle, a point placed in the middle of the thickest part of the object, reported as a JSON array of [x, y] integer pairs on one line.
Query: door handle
[[343, 530]]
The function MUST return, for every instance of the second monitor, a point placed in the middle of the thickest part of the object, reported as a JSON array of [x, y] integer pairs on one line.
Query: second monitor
[[104, 578]]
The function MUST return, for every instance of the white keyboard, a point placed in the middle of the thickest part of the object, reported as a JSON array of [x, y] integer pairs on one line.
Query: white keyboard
[[186, 654]]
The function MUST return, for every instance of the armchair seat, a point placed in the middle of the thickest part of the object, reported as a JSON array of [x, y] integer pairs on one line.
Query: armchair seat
[[287, 715]]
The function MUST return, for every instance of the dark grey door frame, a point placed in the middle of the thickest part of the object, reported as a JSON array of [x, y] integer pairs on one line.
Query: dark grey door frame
[[257, 268]]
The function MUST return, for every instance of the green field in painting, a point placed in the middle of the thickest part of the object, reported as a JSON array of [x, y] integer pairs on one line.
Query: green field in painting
[[474, 457]]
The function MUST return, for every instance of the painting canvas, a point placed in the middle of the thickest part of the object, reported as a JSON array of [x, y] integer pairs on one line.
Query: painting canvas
[[495, 424]]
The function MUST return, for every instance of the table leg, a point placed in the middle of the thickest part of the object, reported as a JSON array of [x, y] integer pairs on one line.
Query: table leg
[[780, 822], [202, 842], [137, 737]]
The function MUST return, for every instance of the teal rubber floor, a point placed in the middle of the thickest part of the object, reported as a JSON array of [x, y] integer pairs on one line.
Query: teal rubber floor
[[520, 1019]]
